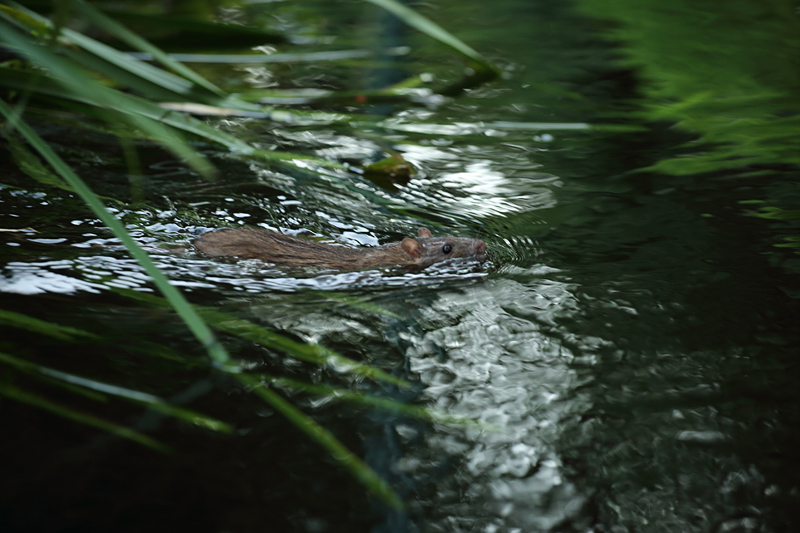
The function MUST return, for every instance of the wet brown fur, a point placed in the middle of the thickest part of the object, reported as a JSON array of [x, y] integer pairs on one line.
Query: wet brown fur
[[272, 247]]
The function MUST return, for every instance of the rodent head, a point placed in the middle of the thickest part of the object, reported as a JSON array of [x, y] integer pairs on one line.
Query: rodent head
[[428, 249]]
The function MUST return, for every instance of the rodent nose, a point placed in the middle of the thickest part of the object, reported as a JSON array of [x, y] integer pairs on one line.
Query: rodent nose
[[481, 247]]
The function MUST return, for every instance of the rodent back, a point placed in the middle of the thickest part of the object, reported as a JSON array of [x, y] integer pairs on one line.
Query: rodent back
[[278, 248]]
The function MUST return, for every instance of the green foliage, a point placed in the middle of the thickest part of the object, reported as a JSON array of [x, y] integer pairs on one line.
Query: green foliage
[[196, 324], [483, 69], [42, 327], [23, 396], [326, 439], [729, 74], [83, 76], [309, 352], [67, 380]]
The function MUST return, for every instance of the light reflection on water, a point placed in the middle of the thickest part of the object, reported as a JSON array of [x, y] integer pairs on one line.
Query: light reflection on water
[[24, 278], [466, 181], [488, 128], [490, 362]]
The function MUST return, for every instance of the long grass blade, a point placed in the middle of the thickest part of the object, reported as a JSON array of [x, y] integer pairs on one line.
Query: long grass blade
[[42, 327], [121, 32], [357, 303], [143, 398], [368, 400], [302, 57], [102, 58], [433, 30], [136, 107], [327, 440], [78, 82], [190, 32], [22, 396], [312, 353], [32, 166], [216, 351]]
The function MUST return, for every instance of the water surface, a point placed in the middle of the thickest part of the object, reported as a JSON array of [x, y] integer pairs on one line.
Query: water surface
[[629, 348]]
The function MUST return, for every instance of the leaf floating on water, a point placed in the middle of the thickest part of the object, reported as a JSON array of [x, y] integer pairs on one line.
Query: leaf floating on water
[[393, 166], [389, 172]]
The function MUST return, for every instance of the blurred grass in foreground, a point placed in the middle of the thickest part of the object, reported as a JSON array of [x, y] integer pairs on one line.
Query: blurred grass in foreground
[[50, 66]]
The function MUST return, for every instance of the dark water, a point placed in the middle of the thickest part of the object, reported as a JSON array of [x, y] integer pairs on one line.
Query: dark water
[[631, 347]]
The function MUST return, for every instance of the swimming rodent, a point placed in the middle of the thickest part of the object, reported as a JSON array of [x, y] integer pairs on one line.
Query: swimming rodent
[[280, 249]]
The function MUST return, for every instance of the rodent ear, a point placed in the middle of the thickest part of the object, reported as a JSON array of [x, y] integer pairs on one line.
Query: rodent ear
[[412, 247], [425, 233]]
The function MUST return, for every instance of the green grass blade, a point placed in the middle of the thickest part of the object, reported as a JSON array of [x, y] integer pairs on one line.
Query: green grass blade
[[143, 398], [193, 33], [74, 389], [133, 73], [132, 109], [41, 327], [79, 82], [142, 79], [433, 30], [122, 105], [325, 438], [357, 303], [312, 353], [368, 400], [22, 18], [19, 395], [32, 166], [216, 351], [299, 57], [122, 33], [114, 64]]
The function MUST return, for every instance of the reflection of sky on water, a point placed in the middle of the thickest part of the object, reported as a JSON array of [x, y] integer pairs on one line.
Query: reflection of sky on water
[[39, 278], [466, 181], [488, 192], [497, 128]]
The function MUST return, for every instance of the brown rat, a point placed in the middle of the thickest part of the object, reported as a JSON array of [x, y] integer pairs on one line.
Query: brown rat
[[272, 247]]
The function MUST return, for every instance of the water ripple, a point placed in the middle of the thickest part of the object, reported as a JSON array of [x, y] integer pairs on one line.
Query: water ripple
[[500, 369]]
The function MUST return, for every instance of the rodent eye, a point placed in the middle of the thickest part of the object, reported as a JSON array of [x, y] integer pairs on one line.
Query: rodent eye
[[447, 248]]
